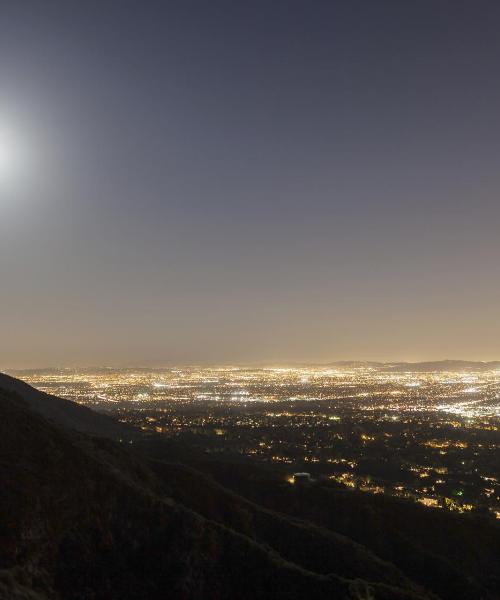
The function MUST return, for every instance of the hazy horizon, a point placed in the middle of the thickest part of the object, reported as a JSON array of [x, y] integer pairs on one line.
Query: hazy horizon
[[240, 365]]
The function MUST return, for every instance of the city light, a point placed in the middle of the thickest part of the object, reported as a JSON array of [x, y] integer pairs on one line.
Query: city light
[[424, 441]]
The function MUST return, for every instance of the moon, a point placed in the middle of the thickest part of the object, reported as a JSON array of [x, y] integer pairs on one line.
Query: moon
[[7, 158], [10, 156], [4, 158]]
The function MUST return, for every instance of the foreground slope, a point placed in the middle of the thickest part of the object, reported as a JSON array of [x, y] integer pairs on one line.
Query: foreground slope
[[84, 518], [457, 556], [64, 412]]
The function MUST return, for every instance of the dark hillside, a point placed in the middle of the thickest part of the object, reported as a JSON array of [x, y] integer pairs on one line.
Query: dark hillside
[[457, 556], [298, 541], [64, 412], [84, 519]]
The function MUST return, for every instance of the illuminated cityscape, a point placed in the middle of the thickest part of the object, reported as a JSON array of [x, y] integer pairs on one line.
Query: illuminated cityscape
[[432, 437], [249, 258]]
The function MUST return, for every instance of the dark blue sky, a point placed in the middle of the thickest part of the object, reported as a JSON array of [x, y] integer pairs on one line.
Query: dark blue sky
[[249, 181]]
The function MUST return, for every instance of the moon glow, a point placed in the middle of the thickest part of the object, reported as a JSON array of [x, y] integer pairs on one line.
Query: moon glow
[[9, 159]]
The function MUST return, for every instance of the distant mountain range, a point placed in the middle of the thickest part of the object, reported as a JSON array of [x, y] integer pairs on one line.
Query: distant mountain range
[[410, 367], [421, 367], [85, 517]]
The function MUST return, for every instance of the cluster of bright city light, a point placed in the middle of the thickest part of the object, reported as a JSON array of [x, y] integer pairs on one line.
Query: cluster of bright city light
[[443, 426], [467, 395]]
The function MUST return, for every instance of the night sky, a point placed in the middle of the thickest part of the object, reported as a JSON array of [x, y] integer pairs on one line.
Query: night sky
[[248, 182]]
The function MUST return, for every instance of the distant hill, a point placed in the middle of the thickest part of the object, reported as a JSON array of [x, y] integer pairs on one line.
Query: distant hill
[[421, 367], [443, 365], [64, 412]]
